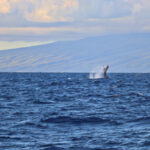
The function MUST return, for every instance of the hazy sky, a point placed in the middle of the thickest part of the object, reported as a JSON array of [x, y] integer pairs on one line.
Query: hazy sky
[[37, 21]]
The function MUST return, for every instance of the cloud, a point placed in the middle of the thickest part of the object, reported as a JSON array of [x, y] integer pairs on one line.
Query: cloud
[[66, 10], [52, 11], [91, 27], [103, 8], [69, 19], [139, 7], [136, 8], [4, 6]]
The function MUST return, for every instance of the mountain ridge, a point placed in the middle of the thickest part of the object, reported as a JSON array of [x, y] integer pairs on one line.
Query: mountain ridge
[[124, 53]]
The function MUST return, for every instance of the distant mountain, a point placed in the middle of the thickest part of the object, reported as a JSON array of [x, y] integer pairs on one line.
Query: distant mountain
[[124, 53]]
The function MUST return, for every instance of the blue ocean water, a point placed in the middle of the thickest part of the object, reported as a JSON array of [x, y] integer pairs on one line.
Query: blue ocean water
[[64, 111]]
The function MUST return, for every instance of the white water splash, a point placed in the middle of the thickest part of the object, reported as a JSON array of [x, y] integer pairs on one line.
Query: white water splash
[[97, 73]]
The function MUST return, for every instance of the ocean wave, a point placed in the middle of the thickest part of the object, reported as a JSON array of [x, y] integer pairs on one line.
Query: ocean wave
[[142, 119], [71, 120], [40, 102], [9, 138], [50, 147]]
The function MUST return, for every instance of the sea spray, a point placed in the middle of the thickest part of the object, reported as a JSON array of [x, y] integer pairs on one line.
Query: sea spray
[[97, 72]]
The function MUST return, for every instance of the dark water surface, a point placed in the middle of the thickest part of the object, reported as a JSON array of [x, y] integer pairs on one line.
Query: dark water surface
[[46, 111]]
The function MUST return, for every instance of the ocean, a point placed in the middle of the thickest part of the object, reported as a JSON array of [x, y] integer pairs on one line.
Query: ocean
[[69, 111]]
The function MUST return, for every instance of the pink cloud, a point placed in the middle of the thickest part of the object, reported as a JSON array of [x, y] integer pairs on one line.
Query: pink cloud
[[52, 11], [4, 6]]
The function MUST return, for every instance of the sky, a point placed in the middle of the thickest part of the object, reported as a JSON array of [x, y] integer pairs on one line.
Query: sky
[[31, 22]]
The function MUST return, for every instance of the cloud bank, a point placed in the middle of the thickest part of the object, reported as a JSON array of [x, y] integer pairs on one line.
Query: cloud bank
[[32, 20]]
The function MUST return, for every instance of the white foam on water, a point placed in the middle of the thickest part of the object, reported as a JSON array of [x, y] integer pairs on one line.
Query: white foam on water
[[97, 72]]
